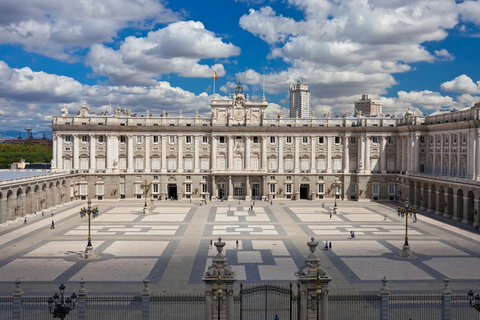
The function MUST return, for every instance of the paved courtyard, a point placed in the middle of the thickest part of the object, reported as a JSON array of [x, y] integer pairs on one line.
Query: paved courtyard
[[171, 246]]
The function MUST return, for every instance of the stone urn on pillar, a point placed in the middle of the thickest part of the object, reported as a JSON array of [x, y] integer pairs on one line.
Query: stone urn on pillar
[[219, 280], [313, 287]]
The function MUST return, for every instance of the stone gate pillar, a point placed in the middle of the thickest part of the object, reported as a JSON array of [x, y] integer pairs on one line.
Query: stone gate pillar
[[219, 280], [313, 287]]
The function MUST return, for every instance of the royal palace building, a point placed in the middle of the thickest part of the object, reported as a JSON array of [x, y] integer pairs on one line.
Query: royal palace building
[[239, 153]]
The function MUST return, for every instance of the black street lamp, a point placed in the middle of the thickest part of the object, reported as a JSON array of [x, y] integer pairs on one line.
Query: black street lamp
[[474, 304], [93, 212], [407, 210], [60, 306], [145, 186], [319, 292]]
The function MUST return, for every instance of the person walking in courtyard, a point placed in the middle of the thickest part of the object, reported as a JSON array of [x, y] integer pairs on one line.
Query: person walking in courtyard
[[211, 244], [330, 216], [229, 207], [323, 205], [236, 244], [53, 225], [25, 220], [35, 211], [276, 318], [385, 219], [271, 202], [326, 245], [43, 213], [330, 245], [53, 213]]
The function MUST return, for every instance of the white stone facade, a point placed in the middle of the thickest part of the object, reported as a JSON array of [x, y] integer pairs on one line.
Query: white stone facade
[[240, 154]]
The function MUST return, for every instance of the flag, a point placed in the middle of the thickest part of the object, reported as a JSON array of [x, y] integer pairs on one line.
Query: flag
[[215, 74]]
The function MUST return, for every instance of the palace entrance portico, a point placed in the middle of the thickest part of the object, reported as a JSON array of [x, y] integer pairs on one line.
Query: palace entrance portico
[[237, 187]]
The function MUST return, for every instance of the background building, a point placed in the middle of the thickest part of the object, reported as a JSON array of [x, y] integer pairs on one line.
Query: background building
[[368, 107], [299, 101]]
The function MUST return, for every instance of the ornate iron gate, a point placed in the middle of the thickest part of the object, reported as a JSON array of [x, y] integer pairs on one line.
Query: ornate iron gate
[[264, 301]]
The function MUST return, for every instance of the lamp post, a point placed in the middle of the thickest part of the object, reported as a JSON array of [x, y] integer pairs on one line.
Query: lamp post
[[60, 306], [319, 292], [92, 214], [145, 186], [219, 294], [335, 185], [474, 302], [407, 210]]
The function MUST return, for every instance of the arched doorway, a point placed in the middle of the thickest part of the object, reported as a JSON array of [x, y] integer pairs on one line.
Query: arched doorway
[[305, 189], [222, 189], [459, 206], [172, 188], [255, 185]]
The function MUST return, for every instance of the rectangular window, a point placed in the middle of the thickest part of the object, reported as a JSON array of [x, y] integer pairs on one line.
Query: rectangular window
[[305, 139], [353, 140], [221, 164], [422, 139], [422, 168], [122, 163], [337, 140], [353, 189], [320, 188], [337, 165], [273, 164], [272, 139], [139, 139], [391, 140], [100, 163], [122, 188], [188, 139], [272, 188], [391, 190], [155, 139], [83, 189], [83, 163], [188, 188], [155, 164], [254, 163], [375, 165], [138, 188], [221, 140], [391, 165], [464, 138], [84, 138], [255, 139], [304, 164], [139, 164], [171, 139], [375, 190], [172, 164], [188, 164], [288, 164], [289, 139], [238, 164], [68, 138], [288, 188], [321, 165], [205, 139], [99, 189], [155, 188], [375, 139], [123, 139], [204, 188], [321, 140], [100, 139], [204, 163]]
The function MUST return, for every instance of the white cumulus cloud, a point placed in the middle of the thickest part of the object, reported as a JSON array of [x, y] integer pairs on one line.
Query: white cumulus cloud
[[461, 84]]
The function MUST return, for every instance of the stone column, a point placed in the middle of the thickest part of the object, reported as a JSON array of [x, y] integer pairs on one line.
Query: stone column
[[346, 156], [313, 287], [297, 154], [180, 154], [214, 188], [82, 301], [367, 155], [230, 188], [312, 155], [219, 281], [361, 155], [385, 294], [92, 166], [17, 301], [146, 300], [476, 210], [109, 158], [76, 151], [214, 155], [230, 153], [280, 154], [447, 301], [196, 157], [249, 190], [464, 213], [53, 166], [329, 154], [415, 158], [59, 164], [164, 154], [147, 153], [398, 159], [264, 153], [383, 155], [130, 160], [264, 187], [457, 215], [248, 146], [438, 210], [3, 210]]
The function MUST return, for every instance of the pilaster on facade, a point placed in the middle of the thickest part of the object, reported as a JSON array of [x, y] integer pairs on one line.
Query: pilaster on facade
[[329, 154], [180, 154], [196, 156], [280, 154], [76, 150], [230, 153], [92, 153], [368, 160], [147, 139], [130, 155], [346, 154], [59, 148], [383, 155], [213, 154]]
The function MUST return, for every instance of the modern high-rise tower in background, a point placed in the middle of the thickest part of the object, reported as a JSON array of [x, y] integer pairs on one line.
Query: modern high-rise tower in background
[[368, 107], [299, 100]]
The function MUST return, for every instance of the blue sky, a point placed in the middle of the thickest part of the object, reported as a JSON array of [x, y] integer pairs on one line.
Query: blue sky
[[154, 55]]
